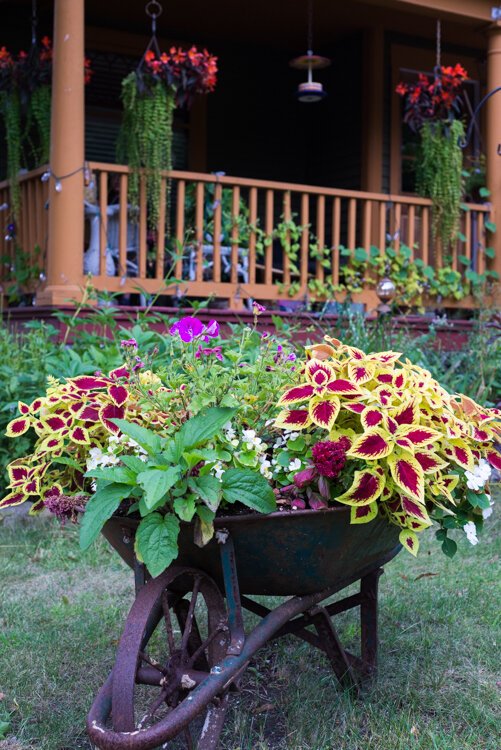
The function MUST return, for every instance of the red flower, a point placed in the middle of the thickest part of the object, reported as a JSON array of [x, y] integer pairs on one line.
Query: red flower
[[330, 457]]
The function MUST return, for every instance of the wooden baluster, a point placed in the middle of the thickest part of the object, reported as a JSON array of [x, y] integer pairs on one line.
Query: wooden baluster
[[411, 228], [425, 235], [123, 222], [252, 236], [481, 242], [216, 250], [397, 226], [305, 240], [336, 235], [320, 236], [199, 230], [30, 209], [467, 232], [287, 217], [103, 221], [382, 227], [235, 212], [367, 225], [143, 219], [352, 223], [180, 243], [268, 228], [160, 270]]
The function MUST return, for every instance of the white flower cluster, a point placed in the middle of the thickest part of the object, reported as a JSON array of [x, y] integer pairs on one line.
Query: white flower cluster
[[477, 478], [98, 458], [471, 532]]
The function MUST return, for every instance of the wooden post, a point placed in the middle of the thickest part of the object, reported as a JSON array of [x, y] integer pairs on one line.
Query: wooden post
[[493, 122], [66, 210]]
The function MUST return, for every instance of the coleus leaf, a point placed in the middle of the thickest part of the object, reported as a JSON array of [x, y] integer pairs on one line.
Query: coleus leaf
[[408, 475], [371, 445], [324, 413], [409, 540], [419, 436], [363, 513], [18, 427], [297, 394], [293, 419], [415, 510], [367, 486]]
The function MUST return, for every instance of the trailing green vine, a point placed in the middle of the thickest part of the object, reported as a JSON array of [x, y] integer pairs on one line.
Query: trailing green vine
[[39, 111], [10, 108], [145, 139], [439, 174]]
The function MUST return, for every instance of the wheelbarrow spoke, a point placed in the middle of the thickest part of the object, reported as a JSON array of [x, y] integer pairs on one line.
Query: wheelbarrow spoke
[[189, 618], [168, 621]]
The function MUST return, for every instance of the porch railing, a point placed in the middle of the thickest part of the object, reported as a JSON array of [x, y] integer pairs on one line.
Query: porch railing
[[238, 238]]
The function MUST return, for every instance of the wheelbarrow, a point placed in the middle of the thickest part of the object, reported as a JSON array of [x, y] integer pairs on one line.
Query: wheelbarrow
[[184, 647]]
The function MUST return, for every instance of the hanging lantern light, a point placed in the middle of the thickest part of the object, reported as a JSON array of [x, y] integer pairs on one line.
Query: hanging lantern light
[[310, 91]]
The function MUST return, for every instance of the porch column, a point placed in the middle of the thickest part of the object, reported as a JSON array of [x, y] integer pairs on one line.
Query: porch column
[[66, 210], [493, 127]]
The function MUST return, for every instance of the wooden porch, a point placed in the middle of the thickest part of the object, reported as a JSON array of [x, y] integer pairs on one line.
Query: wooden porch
[[239, 239]]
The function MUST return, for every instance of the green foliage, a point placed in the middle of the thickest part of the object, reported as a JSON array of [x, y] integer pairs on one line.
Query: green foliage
[[22, 273], [440, 175], [10, 110], [145, 139], [39, 111]]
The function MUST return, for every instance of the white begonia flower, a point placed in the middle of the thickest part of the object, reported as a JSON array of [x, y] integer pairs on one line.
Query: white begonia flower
[[486, 512], [95, 458], [292, 436], [471, 532], [218, 470], [251, 440], [477, 478], [93, 485], [295, 464]]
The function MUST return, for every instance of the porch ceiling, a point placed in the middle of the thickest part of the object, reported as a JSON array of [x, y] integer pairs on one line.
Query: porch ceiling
[[271, 22]]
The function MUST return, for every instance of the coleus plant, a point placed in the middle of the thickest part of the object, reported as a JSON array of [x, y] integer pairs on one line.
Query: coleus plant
[[413, 449], [201, 434]]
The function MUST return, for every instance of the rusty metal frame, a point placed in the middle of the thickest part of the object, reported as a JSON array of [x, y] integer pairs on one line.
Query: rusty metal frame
[[294, 616]]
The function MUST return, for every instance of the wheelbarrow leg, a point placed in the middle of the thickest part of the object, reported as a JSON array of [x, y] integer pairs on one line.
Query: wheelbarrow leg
[[368, 621], [334, 650]]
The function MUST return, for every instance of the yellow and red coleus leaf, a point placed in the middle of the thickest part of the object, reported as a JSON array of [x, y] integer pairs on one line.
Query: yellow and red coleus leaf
[[52, 443], [429, 461], [460, 453], [409, 540], [363, 513], [315, 368], [79, 435], [13, 498], [109, 412], [18, 474], [366, 488], [89, 382], [55, 423], [18, 427], [324, 413], [408, 413], [415, 510], [407, 475], [119, 394], [418, 435], [371, 417], [415, 525], [88, 414], [494, 458], [359, 373], [293, 419], [343, 387], [371, 445], [297, 394], [23, 408], [36, 405], [355, 406], [36, 508], [120, 372]]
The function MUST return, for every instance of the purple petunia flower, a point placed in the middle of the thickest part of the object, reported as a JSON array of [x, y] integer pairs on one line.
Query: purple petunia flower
[[257, 309], [211, 330], [128, 344], [187, 328], [216, 351]]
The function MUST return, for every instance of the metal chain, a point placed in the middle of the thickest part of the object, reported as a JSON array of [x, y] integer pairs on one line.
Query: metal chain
[[34, 22], [439, 43], [310, 26], [154, 10]]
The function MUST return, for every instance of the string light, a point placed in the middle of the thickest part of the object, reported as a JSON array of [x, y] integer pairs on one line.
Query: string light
[[58, 179]]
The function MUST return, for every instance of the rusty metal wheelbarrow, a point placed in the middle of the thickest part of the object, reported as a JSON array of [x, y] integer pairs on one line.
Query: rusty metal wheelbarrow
[[184, 645]]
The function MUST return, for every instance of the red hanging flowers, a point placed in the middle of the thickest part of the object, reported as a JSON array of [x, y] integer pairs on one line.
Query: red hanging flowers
[[433, 98], [188, 72]]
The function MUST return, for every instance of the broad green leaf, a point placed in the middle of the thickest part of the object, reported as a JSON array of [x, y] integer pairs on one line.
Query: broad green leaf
[[156, 482], [67, 462], [449, 547], [360, 254], [203, 426], [464, 260], [211, 454], [120, 474], [4, 727], [484, 192], [477, 500], [249, 488], [156, 541], [185, 507], [147, 439], [490, 226], [134, 463], [100, 507], [208, 489], [461, 237], [490, 252]]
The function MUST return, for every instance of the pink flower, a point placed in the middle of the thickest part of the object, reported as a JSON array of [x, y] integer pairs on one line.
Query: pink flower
[[216, 351], [257, 309], [305, 477], [187, 328], [211, 330]]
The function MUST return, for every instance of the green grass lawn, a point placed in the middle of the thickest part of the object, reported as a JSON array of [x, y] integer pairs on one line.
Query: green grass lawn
[[61, 613]]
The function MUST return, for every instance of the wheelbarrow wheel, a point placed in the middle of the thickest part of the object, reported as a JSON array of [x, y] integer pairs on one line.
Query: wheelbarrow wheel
[[175, 633]]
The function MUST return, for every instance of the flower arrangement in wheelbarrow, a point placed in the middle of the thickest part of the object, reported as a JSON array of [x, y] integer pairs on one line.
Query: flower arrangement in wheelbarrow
[[221, 425]]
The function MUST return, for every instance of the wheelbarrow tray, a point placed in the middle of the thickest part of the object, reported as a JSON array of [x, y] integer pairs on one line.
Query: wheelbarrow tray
[[284, 553]]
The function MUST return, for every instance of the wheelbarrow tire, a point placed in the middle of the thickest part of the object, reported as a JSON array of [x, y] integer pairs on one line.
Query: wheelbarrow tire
[[166, 647]]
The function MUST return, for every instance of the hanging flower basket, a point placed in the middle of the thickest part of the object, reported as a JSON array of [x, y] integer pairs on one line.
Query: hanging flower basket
[[162, 82], [432, 108], [25, 107]]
